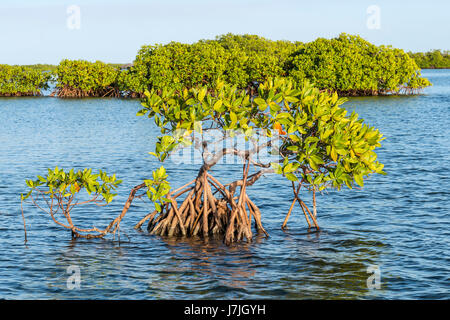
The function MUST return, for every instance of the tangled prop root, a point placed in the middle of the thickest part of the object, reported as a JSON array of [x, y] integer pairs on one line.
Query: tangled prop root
[[70, 92], [202, 213], [21, 94]]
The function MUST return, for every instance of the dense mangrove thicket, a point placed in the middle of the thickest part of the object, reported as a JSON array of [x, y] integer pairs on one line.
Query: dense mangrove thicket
[[22, 81], [347, 64], [435, 59], [79, 78], [238, 60], [352, 66]]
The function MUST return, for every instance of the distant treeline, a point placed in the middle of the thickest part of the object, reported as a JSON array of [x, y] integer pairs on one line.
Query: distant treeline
[[52, 67], [435, 59], [347, 64]]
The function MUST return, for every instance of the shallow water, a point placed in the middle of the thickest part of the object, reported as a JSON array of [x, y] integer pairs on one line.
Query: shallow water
[[398, 223]]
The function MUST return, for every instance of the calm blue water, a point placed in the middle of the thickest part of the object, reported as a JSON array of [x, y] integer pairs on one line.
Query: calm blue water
[[399, 223]]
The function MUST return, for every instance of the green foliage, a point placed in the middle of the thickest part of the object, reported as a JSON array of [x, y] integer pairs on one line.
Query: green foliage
[[321, 145], [180, 113], [351, 65], [435, 59], [158, 188], [177, 65], [17, 81], [238, 60], [62, 184], [87, 78], [259, 58], [347, 64]]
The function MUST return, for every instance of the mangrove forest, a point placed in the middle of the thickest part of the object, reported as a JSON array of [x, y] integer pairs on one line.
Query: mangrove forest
[[348, 65]]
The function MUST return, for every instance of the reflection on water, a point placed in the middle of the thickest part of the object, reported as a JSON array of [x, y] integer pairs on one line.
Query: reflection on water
[[398, 223]]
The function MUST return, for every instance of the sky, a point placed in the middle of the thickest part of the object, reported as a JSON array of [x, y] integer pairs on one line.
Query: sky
[[38, 31]]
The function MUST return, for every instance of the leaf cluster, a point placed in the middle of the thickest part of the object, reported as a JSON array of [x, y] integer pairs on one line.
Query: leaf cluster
[[351, 65], [62, 184], [321, 144], [158, 188]]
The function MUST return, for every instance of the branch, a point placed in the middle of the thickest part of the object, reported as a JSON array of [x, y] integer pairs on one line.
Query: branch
[[249, 181]]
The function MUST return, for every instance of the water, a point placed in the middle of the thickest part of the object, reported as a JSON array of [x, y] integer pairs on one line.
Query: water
[[398, 223]]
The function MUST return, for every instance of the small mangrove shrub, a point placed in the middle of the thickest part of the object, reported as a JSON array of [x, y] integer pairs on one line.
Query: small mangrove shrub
[[79, 78], [59, 192], [22, 81]]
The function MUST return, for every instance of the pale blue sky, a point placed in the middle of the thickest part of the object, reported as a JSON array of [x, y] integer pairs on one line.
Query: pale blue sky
[[114, 30]]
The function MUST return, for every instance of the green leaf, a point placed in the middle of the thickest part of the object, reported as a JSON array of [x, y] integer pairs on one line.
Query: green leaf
[[312, 164], [291, 177], [261, 103], [277, 167], [141, 112], [233, 117], [201, 94], [333, 154], [358, 179], [291, 99], [218, 106], [291, 167], [198, 126], [327, 133]]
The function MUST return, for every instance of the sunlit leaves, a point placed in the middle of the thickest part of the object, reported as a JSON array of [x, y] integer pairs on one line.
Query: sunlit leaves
[[351, 65], [158, 188], [323, 147], [62, 184], [320, 144], [19, 80], [91, 78]]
